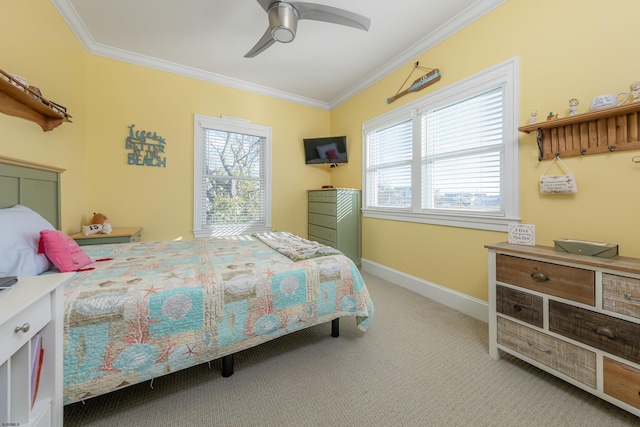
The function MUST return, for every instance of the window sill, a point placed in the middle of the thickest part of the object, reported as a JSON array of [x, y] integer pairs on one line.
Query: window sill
[[229, 231], [490, 223]]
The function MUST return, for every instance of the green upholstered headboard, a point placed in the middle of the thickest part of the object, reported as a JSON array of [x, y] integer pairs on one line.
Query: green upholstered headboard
[[33, 185]]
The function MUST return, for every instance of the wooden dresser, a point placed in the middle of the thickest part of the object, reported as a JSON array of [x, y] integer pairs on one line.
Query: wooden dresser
[[574, 316], [334, 220]]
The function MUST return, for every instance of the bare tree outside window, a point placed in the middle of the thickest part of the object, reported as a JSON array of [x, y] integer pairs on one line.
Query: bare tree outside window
[[233, 178]]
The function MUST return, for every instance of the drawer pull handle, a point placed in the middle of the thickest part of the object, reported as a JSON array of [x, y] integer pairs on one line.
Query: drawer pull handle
[[517, 307], [23, 328], [628, 297], [540, 276], [603, 330], [535, 347]]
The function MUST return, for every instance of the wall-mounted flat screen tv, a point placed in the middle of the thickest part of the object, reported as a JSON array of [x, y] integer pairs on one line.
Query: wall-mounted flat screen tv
[[327, 150]]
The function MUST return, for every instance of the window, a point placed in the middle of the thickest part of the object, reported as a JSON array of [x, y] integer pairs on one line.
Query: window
[[449, 158], [232, 177]]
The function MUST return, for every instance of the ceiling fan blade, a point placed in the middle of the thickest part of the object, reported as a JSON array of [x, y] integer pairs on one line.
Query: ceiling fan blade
[[262, 45], [321, 12], [266, 3]]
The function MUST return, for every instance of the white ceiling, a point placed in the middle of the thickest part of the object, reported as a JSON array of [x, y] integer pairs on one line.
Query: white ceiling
[[325, 65]]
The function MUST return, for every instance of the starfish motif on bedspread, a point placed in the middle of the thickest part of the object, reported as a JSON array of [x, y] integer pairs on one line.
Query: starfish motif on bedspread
[[172, 275], [269, 273], [190, 350], [151, 290]]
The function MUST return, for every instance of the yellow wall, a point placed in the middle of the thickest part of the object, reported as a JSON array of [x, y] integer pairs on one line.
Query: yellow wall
[[39, 46], [566, 50], [161, 198], [105, 96]]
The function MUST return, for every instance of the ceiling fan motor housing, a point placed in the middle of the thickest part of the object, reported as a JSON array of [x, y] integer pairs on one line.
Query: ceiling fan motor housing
[[283, 21]]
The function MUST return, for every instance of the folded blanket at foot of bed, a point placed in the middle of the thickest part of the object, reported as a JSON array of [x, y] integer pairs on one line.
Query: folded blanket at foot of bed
[[295, 247]]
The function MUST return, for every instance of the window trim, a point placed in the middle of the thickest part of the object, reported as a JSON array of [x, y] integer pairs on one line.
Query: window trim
[[505, 73], [235, 125]]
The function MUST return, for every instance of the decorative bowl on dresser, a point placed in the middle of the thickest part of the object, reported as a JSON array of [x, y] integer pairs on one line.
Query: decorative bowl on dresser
[[574, 316]]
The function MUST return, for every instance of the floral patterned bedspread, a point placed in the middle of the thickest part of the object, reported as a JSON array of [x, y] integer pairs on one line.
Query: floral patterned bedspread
[[159, 307]]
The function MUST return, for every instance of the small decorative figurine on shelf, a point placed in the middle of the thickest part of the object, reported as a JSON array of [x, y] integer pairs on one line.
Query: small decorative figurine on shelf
[[533, 116], [573, 106], [552, 116], [635, 91]]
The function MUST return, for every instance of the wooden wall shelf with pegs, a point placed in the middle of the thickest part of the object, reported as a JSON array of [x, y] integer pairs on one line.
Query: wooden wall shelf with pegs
[[19, 100], [602, 131]]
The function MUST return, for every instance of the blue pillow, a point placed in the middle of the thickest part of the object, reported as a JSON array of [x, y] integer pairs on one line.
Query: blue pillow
[[20, 230]]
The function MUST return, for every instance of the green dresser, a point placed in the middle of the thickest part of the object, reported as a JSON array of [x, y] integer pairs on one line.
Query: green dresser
[[334, 220]]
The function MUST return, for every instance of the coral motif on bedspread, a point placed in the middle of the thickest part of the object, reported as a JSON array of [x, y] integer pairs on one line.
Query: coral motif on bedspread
[[163, 306]]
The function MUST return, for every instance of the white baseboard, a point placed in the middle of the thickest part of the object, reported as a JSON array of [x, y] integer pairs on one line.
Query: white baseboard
[[470, 306]]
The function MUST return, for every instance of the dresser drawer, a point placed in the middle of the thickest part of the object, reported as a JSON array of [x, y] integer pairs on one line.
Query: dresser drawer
[[621, 294], [37, 315], [571, 283], [573, 361], [323, 233], [328, 221], [322, 196], [322, 208], [607, 333], [622, 382], [519, 305], [324, 242]]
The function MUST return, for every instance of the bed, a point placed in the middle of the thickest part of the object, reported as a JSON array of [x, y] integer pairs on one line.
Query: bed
[[142, 310]]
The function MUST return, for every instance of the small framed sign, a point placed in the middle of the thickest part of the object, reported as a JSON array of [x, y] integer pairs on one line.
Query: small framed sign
[[522, 234]]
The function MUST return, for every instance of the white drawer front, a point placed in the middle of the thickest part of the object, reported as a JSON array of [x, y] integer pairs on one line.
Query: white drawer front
[[571, 360], [621, 294], [36, 316]]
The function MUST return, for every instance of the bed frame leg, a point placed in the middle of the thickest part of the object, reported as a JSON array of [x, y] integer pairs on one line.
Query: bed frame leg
[[227, 365], [335, 327]]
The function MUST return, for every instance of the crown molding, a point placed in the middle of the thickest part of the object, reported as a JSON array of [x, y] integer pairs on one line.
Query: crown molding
[[171, 67], [464, 18], [446, 30]]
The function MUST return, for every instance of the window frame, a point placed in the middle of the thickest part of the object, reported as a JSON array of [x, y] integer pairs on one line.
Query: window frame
[[506, 74], [232, 125]]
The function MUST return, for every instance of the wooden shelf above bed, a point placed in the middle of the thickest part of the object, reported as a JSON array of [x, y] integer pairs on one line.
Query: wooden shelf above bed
[[19, 100], [602, 131]]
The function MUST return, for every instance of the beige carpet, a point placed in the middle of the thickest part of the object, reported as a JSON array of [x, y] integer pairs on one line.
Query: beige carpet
[[419, 364]]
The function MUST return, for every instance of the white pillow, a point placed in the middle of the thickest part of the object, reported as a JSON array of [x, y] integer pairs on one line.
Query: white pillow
[[322, 150], [20, 234]]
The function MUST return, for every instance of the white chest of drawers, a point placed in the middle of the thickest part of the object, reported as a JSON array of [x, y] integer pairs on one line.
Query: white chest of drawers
[[32, 308], [576, 317]]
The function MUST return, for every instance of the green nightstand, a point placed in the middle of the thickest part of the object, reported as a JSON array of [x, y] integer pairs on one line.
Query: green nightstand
[[118, 235]]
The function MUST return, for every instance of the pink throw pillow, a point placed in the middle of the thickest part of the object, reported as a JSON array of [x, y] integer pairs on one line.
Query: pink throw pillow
[[62, 251], [332, 155]]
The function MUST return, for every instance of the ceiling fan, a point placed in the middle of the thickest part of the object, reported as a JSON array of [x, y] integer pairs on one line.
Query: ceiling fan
[[284, 16]]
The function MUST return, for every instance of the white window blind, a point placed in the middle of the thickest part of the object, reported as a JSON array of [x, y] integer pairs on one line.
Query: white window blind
[[231, 177], [389, 165], [462, 146]]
